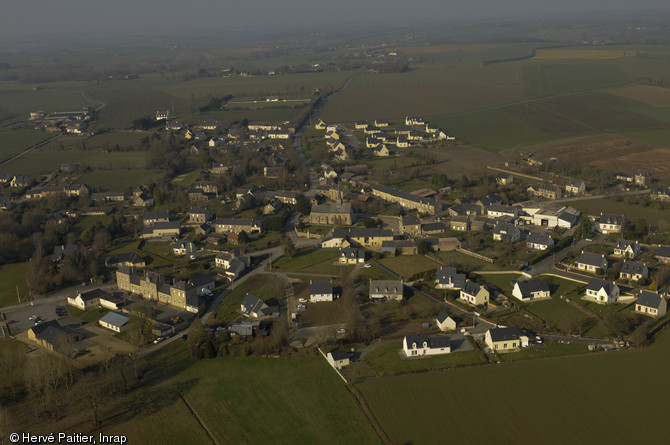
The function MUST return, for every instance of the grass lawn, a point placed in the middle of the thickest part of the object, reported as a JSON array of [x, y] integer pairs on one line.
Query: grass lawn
[[408, 265], [555, 311], [375, 272], [327, 312], [86, 222], [469, 263], [386, 360], [502, 282], [308, 260], [12, 275], [266, 287], [412, 408], [551, 349], [89, 316]]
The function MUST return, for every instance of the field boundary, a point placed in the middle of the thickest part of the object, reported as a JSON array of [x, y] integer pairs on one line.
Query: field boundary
[[336, 370], [474, 255], [534, 178], [197, 418]]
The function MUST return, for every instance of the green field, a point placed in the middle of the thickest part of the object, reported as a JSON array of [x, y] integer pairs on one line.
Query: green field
[[552, 78], [428, 407], [387, 361], [13, 142], [118, 180], [308, 260], [408, 265], [12, 275], [651, 214], [297, 399]]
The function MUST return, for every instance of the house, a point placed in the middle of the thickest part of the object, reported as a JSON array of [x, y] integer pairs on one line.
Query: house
[[602, 291], [20, 181], [199, 216], [651, 304], [321, 125], [506, 232], [371, 238], [52, 336], [183, 247], [386, 290], [151, 218], [406, 200], [591, 262], [607, 223], [464, 209], [164, 230], [272, 207], [445, 322], [273, 172], [627, 249], [474, 294], [112, 301], [63, 251], [130, 259], [660, 194], [350, 255], [410, 225], [380, 151], [232, 263], [114, 321], [531, 290], [414, 120], [380, 123], [421, 344], [448, 278], [500, 211], [548, 191], [537, 241], [254, 307], [575, 187], [460, 223], [237, 225], [287, 197], [505, 339], [87, 300], [361, 125], [642, 178], [634, 270], [245, 329], [663, 254], [339, 359], [321, 291], [431, 228], [504, 179]]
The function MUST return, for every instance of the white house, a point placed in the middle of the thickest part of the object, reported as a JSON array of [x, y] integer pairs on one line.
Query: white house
[[87, 300], [338, 359], [531, 290], [421, 344], [627, 249], [505, 339], [607, 223], [602, 291], [537, 241], [591, 262], [445, 322], [448, 278], [321, 291], [474, 294]]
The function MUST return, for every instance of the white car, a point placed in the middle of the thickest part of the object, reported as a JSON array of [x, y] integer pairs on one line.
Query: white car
[[341, 331], [158, 340], [302, 300], [367, 265], [302, 307], [192, 257]]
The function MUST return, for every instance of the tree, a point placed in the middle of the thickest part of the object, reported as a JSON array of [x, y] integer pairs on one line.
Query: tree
[[289, 249], [423, 247], [196, 336], [210, 351], [243, 238], [370, 223], [585, 228]]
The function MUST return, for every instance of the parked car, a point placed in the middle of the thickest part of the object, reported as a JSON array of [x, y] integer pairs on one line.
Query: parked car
[[341, 331], [158, 340], [302, 307], [192, 257], [302, 300], [367, 265]]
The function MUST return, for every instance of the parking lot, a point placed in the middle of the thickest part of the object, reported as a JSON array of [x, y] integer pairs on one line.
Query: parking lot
[[20, 320]]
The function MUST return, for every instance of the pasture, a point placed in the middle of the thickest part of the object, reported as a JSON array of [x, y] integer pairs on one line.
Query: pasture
[[553, 78], [408, 265], [269, 289], [13, 142], [428, 407], [118, 180], [386, 360], [11, 276]]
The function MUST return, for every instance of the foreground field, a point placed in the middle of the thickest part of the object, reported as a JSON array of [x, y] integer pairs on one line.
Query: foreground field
[[250, 400], [572, 400]]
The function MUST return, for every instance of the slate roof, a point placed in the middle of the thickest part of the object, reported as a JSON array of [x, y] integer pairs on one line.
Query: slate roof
[[649, 299], [321, 287], [433, 342], [663, 251], [433, 227], [115, 319], [622, 243], [252, 304], [595, 284], [350, 252], [446, 275], [505, 334], [60, 252], [633, 267], [532, 286], [386, 286], [340, 355], [606, 218], [591, 259], [128, 257], [538, 238], [471, 288], [93, 294], [442, 317], [201, 280]]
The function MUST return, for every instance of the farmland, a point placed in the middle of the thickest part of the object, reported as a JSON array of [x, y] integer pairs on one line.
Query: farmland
[[412, 407], [11, 276]]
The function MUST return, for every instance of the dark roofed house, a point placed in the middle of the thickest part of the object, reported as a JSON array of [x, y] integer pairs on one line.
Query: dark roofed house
[[339, 359], [421, 344], [505, 339], [350, 255], [663, 254], [634, 270], [321, 291], [448, 278], [63, 251], [602, 291], [52, 336], [254, 307], [130, 259], [445, 322], [538, 241], [531, 290], [386, 290], [651, 304], [592, 262]]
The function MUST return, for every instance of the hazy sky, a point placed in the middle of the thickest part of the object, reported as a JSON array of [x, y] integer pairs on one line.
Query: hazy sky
[[22, 17]]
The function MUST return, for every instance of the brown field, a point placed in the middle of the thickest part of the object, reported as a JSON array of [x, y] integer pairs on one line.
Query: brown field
[[656, 96], [589, 54], [611, 152]]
